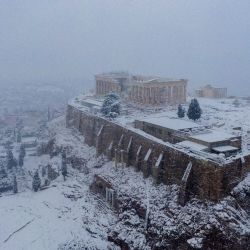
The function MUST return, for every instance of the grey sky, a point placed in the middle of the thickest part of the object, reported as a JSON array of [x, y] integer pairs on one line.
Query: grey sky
[[205, 41]]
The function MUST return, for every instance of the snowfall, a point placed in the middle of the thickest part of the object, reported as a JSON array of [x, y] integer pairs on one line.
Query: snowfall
[[67, 215]]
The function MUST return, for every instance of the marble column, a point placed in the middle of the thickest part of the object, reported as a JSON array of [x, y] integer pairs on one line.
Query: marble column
[[153, 94], [185, 93]]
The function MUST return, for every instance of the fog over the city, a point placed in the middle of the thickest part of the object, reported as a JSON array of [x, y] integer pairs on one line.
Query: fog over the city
[[63, 41]]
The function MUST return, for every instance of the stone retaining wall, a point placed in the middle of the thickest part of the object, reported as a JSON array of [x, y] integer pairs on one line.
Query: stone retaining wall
[[207, 180]]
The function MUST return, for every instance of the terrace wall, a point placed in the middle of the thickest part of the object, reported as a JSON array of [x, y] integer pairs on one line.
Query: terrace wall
[[207, 180]]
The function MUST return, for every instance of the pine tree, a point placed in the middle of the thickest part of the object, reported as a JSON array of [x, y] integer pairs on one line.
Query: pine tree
[[64, 155], [11, 161], [194, 110], [22, 150], [181, 111], [64, 169], [20, 160], [111, 106], [21, 156], [18, 136], [36, 183], [15, 190]]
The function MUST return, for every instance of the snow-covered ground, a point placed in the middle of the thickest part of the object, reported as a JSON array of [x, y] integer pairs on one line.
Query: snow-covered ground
[[63, 213], [51, 217], [225, 114], [68, 216]]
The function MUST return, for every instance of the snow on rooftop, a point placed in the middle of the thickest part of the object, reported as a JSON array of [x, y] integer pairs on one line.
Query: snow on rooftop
[[225, 149], [192, 145], [92, 101], [213, 136], [171, 123], [84, 102]]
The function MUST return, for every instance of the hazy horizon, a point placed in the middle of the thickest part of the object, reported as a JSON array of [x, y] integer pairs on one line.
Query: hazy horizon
[[66, 41]]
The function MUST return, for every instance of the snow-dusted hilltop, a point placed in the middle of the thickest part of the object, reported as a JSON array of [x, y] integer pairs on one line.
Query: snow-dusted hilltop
[[107, 204]]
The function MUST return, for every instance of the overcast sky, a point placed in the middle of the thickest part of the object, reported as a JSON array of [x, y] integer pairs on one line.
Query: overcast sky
[[205, 41]]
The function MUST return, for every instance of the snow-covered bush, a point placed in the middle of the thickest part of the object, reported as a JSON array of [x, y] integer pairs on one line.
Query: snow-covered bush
[[181, 111]]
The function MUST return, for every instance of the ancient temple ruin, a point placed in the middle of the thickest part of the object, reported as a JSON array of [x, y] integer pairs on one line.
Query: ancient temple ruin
[[145, 90], [210, 91]]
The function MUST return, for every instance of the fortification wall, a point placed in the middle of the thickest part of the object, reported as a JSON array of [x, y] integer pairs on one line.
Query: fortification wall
[[207, 179]]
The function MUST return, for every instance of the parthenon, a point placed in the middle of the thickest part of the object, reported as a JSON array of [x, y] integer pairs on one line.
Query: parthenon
[[142, 89]]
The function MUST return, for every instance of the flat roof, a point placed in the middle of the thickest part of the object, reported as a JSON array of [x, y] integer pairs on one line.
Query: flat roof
[[171, 123], [192, 145], [223, 149], [213, 136], [94, 102], [148, 79]]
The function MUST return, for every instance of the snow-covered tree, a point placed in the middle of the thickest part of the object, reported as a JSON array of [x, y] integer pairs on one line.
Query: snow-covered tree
[[64, 155], [22, 150], [18, 136], [3, 173], [15, 189], [22, 153], [36, 183], [64, 169], [11, 161], [20, 160], [236, 103], [111, 106], [181, 111], [194, 110]]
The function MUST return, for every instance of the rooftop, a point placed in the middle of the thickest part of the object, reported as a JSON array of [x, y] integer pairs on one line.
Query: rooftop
[[136, 78], [91, 101], [171, 123], [224, 149], [213, 136], [192, 145], [149, 79], [114, 74]]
